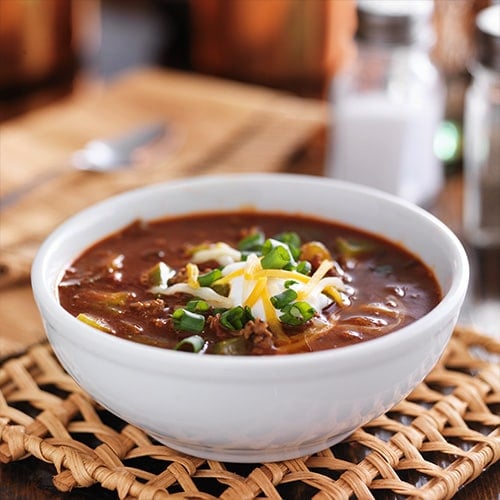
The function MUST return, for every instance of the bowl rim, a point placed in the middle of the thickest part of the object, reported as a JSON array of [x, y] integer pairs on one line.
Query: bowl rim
[[387, 345]]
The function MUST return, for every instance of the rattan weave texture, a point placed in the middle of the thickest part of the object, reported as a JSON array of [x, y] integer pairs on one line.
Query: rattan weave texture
[[440, 437]]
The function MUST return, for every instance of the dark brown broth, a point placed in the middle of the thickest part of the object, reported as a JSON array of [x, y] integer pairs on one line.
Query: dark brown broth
[[388, 273]]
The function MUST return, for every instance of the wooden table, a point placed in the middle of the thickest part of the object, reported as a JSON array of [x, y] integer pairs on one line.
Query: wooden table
[[214, 126]]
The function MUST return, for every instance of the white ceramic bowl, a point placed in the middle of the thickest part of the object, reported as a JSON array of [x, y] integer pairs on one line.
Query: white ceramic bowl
[[252, 409]]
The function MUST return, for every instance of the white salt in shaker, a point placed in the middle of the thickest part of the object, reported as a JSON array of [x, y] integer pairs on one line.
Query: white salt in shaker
[[388, 103]]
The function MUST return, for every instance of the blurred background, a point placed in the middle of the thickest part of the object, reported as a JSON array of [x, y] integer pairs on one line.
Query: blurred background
[[49, 48], [52, 48]]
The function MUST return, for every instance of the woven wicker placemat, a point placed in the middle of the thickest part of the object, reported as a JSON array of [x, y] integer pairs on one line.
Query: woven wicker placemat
[[443, 435]]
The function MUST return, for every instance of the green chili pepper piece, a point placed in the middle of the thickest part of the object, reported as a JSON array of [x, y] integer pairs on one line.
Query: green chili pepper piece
[[235, 346], [159, 274], [223, 289], [384, 270], [352, 248], [109, 299]]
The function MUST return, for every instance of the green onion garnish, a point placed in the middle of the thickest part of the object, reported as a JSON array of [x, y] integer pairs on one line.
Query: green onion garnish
[[292, 240], [252, 243], [197, 306], [304, 267], [236, 317], [188, 321], [195, 343], [289, 283], [297, 313], [282, 299], [276, 255], [208, 278]]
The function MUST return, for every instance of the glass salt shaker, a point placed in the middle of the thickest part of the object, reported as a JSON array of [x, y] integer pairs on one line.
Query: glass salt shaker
[[388, 104], [482, 136]]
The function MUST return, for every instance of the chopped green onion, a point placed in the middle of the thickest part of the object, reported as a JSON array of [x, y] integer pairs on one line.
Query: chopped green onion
[[282, 299], [269, 244], [208, 278], [289, 283], [236, 317], [289, 238], [195, 343], [292, 240], [197, 306], [297, 313], [234, 346], [304, 267], [276, 255], [188, 321], [252, 243]]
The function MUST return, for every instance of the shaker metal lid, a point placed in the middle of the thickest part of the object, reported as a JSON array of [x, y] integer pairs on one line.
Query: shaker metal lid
[[401, 22], [488, 37]]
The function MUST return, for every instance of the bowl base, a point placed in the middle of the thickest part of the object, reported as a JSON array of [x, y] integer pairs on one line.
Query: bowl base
[[251, 455]]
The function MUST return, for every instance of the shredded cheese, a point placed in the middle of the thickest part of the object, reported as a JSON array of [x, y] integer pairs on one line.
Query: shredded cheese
[[252, 267], [222, 253], [282, 274], [252, 286], [324, 267], [229, 277], [192, 275], [203, 292], [272, 318], [256, 293]]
